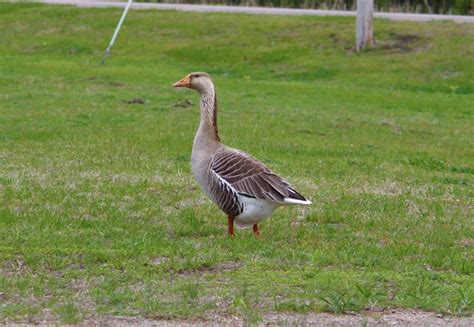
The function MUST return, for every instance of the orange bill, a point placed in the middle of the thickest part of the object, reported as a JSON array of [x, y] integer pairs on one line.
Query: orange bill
[[184, 82]]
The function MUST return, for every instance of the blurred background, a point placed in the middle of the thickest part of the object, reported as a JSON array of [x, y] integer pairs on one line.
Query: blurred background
[[455, 7]]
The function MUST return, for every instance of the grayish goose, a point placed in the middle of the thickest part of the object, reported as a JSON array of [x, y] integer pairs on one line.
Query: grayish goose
[[241, 186]]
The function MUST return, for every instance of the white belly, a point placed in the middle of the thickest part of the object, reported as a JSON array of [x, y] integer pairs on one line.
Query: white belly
[[255, 210]]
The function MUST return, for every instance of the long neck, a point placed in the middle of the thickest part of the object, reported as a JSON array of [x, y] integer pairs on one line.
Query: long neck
[[208, 125]]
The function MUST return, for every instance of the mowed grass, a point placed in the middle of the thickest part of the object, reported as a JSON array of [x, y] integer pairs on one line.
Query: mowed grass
[[100, 213]]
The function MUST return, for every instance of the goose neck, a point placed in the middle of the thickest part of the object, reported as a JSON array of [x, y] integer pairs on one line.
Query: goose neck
[[208, 124]]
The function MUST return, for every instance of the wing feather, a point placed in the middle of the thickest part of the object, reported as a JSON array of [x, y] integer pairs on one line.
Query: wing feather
[[224, 195], [247, 175]]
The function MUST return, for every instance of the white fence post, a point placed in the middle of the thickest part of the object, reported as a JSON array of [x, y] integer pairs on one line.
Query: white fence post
[[364, 28]]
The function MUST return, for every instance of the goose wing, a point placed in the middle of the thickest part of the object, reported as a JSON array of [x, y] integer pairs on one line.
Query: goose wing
[[252, 178]]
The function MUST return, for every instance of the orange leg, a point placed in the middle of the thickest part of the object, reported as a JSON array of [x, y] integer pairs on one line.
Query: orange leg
[[230, 225], [255, 230]]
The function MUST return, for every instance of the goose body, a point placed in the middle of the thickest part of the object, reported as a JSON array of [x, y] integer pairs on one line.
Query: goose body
[[240, 185]]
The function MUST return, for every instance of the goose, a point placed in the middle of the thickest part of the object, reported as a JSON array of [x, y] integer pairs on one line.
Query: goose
[[244, 188]]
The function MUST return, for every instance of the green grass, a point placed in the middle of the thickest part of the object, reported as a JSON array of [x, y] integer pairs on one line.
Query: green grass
[[100, 214]]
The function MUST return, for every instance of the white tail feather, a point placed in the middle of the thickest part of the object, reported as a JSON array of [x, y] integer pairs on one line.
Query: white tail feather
[[294, 201]]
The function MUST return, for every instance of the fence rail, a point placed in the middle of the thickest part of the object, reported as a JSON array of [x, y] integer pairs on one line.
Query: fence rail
[[260, 10]]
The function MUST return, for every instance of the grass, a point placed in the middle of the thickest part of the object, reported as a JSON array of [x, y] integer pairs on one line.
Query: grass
[[100, 214]]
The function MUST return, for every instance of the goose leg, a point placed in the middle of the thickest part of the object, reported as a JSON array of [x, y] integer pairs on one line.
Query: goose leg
[[255, 230], [230, 225]]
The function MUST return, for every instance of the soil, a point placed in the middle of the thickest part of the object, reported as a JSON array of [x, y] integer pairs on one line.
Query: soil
[[384, 318]]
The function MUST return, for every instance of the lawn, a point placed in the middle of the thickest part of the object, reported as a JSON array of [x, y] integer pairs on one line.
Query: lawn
[[100, 214]]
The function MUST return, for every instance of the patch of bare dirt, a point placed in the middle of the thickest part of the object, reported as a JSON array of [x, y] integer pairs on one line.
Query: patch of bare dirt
[[82, 298], [220, 267], [400, 43], [116, 84], [14, 267], [383, 318], [134, 101]]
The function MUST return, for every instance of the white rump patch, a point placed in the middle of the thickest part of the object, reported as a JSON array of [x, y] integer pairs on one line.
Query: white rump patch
[[255, 210]]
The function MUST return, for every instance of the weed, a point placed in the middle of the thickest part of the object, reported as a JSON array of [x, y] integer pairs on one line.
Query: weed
[[464, 303], [191, 292], [69, 313], [368, 296], [339, 302]]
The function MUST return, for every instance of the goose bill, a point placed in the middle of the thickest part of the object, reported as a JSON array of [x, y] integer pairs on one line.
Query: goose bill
[[184, 82]]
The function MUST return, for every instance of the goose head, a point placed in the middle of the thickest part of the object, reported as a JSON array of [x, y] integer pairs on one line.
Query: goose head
[[196, 81]]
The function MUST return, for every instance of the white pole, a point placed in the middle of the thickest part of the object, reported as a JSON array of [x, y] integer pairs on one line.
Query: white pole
[[117, 29], [364, 28]]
